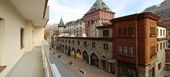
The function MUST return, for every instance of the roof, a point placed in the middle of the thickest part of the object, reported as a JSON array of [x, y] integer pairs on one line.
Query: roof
[[162, 25], [99, 4], [78, 21], [136, 16], [61, 24]]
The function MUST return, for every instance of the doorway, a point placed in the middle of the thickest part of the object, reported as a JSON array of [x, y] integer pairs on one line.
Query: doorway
[[94, 60]]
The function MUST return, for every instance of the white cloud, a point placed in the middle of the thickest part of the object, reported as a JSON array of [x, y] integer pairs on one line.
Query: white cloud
[[58, 10], [74, 9]]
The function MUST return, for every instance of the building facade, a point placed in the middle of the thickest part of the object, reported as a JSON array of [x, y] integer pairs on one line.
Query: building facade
[[98, 15], [135, 44], [93, 51], [76, 28], [72, 28], [138, 45], [162, 44], [167, 63]]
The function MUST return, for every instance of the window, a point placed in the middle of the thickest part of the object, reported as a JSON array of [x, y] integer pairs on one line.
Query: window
[[152, 31], [93, 44], [120, 31], [130, 31], [127, 31], [73, 41], [164, 45], [125, 51], [106, 46], [22, 38], [159, 66], [85, 43], [124, 31], [69, 41], [78, 42], [152, 51], [164, 32], [160, 46], [120, 50], [160, 32], [130, 51], [152, 72], [105, 33]]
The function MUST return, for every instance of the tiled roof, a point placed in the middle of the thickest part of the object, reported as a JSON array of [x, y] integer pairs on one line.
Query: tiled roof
[[99, 4]]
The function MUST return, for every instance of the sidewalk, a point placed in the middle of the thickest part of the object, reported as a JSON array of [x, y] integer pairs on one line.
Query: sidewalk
[[29, 66], [91, 71]]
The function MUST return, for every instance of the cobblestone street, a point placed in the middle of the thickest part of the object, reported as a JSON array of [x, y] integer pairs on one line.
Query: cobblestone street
[[90, 71]]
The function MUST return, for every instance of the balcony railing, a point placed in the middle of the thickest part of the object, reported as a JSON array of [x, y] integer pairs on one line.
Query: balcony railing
[[48, 65]]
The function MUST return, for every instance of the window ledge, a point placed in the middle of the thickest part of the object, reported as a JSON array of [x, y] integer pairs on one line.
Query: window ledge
[[126, 56], [2, 68], [126, 36]]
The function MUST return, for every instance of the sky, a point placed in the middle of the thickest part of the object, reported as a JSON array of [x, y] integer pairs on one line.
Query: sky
[[71, 10]]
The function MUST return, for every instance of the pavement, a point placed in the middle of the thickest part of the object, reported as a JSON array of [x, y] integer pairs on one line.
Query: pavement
[[30, 65], [64, 69], [63, 63]]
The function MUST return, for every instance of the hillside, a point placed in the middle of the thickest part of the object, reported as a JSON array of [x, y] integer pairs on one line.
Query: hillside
[[163, 10]]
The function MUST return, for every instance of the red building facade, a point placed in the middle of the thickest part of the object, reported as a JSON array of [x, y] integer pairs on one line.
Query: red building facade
[[135, 44], [98, 14]]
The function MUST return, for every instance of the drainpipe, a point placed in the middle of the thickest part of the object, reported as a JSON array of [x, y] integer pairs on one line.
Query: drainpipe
[[136, 44]]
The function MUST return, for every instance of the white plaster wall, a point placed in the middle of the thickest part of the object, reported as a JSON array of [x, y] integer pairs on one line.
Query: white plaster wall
[[161, 56], [38, 35], [12, 23], [159, 32], [61, 30], [28, 36], [10, 48], [1, 41]]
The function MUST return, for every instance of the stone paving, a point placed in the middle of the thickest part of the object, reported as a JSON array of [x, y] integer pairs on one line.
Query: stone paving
[[90, 71]]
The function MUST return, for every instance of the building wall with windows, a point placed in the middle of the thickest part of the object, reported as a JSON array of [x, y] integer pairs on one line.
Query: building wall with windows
[[135, 44], [94, 19], [79, 46], [98, 14], [61, 30], [16, 32], [162, 44], [105, 31], [161, 30], [75, 28]]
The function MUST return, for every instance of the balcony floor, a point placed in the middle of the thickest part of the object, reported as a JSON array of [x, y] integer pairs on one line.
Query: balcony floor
[[30, 65]]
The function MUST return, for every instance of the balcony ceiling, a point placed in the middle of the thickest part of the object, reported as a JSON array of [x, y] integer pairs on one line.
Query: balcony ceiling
[[33, 10]]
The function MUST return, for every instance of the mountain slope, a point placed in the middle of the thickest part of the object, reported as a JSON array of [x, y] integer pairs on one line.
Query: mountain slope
[[162, 10]]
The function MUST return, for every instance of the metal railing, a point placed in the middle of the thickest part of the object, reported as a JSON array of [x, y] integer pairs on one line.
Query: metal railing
[[50, 68]]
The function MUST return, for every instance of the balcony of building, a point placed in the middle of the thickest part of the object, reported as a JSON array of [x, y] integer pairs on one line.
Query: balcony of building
[[22, 25]]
